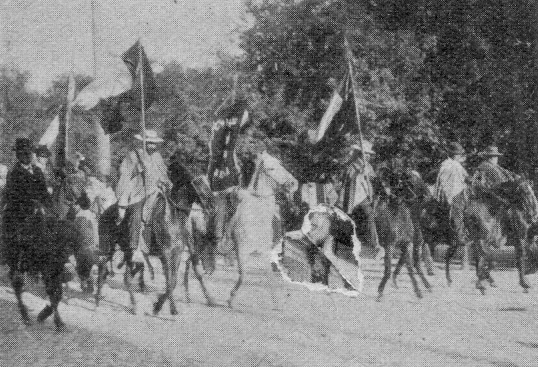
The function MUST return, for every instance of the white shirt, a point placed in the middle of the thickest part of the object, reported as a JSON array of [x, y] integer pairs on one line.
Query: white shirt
[[450, 181]]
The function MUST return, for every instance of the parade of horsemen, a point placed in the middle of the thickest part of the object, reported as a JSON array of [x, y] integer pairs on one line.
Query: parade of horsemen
[[271, 183]]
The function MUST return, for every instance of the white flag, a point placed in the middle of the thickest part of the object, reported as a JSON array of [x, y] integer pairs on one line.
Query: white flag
[[51, 133]]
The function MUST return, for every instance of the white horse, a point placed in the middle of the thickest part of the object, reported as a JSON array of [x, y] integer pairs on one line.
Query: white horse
[[256, 217]]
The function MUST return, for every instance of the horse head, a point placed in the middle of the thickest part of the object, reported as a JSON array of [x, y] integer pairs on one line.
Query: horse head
[[270, 176], [527, 198]]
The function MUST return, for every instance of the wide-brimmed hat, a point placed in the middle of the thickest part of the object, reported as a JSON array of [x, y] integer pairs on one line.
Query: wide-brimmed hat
[[455, 148], [23, 145], [151, 137], [491, 151], [366, 145], [42, 151]]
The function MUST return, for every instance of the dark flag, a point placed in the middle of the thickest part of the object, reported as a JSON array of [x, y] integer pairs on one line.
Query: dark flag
[[135, 58], [339, 118]]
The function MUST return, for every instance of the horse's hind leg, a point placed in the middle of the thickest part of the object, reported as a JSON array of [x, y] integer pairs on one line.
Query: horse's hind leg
[[386, 275], [186, 278], [409, 263], [428, 260], [209, 299], [102, 272], [520, 262], [17, 281], [418, 267]]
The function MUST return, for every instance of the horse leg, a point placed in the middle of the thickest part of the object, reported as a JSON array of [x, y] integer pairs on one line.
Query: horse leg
[[386, 275], [396, 271], [54, 291], [17, 281], [150, 267], [102, 271], [481, 264], [240, 272], [418, 267], [175, 260], [128, 280], [186, 278], [520, 262], [190, 245], [453, 247], [409, 263], [465, 258], [428, 259]]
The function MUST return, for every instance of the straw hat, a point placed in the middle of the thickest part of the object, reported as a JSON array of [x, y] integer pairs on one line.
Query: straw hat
[[366, 145], [491, 151], [151, 137]]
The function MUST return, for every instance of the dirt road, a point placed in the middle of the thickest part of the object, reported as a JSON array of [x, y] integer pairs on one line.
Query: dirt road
[[453, 326]]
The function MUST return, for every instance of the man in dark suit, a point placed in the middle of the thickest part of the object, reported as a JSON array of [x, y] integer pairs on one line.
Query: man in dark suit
[[25, 188]]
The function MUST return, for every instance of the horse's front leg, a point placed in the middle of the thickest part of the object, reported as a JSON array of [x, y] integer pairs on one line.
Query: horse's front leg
[[520, 247], [233, 293], [128, 278], [406, 254], [416, 260], [397, 270], [451, 251], [17, 281], [191, 249], [102, 272], [388, 264], [481, 266]]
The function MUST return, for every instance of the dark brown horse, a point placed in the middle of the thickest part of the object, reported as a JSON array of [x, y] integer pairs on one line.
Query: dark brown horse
[[169, 236], [395, 229], [489, 216], [42, 245]]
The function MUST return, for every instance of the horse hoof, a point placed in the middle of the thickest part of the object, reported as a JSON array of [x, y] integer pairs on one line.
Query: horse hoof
[[156, 308], [46, 312], [430, 289], [229, 302], [493, 285], [132, 311], [26, 321], [525, 290], [212, 303], [419, 295], [395, 284], [379, 298], [61, 327], [174, 312]]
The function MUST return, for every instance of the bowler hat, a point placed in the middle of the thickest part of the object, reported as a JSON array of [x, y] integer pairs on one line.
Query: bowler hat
[[491, 151], [42, 151], [455, 148], [23, 145]]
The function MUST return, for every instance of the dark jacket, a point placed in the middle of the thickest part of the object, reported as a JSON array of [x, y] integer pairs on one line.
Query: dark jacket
[[22, 190]]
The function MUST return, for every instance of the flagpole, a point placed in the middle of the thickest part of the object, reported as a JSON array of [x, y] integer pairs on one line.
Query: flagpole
[[94, 40], [355, 98], [143, 116]]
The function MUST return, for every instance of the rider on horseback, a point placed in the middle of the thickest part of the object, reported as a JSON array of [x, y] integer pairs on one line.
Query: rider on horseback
[[25, 188], [489, 173], [357, 194], [142, 175]]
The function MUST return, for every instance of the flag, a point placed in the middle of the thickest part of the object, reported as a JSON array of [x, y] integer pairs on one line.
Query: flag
[[50, 135], [114, 80], [338, 119], [136, 60], [120, 82]]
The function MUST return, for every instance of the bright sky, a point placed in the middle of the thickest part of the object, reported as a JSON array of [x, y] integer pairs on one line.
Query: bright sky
[[48, 38]]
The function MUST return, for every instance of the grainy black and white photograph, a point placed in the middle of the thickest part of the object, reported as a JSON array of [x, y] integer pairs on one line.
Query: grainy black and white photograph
[[257, 183]]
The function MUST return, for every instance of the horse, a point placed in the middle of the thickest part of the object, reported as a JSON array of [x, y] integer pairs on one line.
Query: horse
[[167, 230], [490, 216], [268, 179], [42, 245], [396, 229]]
